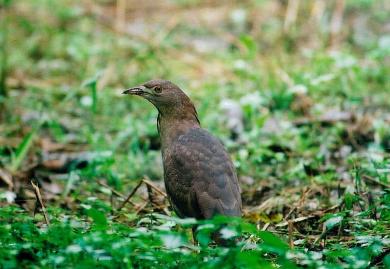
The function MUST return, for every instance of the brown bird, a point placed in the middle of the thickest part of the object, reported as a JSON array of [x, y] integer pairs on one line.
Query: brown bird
[[199, 176]]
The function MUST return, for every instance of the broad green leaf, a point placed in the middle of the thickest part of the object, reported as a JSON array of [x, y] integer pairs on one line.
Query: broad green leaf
[[272, 243], [99, 219]]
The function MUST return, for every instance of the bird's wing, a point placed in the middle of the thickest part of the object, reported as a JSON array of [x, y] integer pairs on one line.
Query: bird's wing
[[200, 177]]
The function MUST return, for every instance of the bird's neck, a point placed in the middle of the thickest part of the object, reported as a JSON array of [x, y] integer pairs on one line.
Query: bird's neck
[[171, 126]]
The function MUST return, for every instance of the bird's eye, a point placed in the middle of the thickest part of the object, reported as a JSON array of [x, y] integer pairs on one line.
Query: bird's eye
[[157, 89]]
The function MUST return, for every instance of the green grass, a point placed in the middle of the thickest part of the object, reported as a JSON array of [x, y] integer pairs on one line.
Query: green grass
[[65, 69]]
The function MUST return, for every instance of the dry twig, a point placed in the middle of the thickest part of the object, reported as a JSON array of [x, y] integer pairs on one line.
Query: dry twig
[[373, 180], [147, 182], [285, 223], [117, 193], [130, 195], [142, 207], [290, 236], [265, 227], [300, 203], [40, 201]]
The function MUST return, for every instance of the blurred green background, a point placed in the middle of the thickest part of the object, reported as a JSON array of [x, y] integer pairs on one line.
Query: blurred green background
[[297, 90], [67, 62]]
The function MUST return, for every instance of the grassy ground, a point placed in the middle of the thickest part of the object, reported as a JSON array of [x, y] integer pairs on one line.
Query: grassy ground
[[300, 101]]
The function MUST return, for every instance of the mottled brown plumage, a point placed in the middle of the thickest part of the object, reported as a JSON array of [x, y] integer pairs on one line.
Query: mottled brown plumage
[[200, 178]]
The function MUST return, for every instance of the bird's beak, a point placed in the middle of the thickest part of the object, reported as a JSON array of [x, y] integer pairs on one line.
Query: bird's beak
[[139, 90]]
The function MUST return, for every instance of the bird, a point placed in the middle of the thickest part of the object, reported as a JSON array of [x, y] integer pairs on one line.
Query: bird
[[200, 178]]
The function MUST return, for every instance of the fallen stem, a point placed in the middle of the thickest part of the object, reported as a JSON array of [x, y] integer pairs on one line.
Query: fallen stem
[[40, 201], [117, 193], [147, 182], [130, 195]]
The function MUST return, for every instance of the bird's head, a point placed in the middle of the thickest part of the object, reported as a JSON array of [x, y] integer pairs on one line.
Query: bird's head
[[164, 95]]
